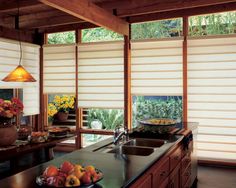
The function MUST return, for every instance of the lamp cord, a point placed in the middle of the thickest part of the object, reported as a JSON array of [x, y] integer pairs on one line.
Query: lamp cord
[[18, 20]]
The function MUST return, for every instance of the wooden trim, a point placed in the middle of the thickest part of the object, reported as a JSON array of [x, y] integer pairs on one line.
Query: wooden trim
[[13, 34], [90, 12], [185, 72], [216, 163], [127, 82], [41, 119], [93, 131]]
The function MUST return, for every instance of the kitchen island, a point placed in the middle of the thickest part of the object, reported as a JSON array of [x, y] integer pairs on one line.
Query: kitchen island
[[119, 170]]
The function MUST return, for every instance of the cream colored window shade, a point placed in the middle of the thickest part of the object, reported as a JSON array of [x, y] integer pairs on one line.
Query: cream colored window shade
[[100, 75], [212, 96], [9, 59], [156, 68], [59, 69], [31, 90]]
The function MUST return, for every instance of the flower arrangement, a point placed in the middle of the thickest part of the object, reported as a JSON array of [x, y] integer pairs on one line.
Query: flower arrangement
[[64, 103], [10, 108]]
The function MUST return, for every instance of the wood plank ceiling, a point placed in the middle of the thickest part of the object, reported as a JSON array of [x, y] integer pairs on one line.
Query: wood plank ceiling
[[35, 15]]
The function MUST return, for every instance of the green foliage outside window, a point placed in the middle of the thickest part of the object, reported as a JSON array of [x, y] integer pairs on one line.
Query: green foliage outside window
[[110, 118], [213, 24], [99, 34], [62, 38], [156, 107]]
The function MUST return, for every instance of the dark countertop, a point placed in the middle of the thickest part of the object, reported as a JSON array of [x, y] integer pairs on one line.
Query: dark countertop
[[119, 171]]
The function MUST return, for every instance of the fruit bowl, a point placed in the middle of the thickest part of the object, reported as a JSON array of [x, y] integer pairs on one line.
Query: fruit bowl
[[69, 175]]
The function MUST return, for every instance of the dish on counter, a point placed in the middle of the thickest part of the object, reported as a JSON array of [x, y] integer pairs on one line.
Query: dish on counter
[[58, 131], [69, 175], [158, 122], [38, 137]]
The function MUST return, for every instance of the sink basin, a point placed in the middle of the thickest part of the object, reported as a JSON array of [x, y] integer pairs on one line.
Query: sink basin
[[145, 143], [128, 150]]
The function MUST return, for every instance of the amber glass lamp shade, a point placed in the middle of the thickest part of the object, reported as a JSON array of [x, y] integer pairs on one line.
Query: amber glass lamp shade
[[19, 74]]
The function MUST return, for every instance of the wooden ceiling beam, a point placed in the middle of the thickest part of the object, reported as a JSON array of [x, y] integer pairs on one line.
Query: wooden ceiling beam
[[90, 12], [25, 36], [69, 27], [11, 5], [183, 12], [134, 7]]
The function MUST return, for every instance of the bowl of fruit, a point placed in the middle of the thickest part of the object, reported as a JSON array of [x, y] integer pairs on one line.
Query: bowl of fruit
[[38, 137], [69, 175]]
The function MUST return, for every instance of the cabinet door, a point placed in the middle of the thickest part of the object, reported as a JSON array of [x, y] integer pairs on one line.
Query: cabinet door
[[161, 172], [144, 182], [175, 178]]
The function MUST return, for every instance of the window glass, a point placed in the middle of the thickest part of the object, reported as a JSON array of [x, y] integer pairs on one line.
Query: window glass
[[157, 29], [89, 139], [61, 103], [146, 107], [62, 38], [106, 119], [213, 24], [100, 34], [6, 94]]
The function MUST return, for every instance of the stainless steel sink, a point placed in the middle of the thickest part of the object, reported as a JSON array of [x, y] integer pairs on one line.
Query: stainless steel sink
[[153, 143], [131, 150]]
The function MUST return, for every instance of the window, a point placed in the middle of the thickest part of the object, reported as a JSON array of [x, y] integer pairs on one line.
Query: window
[[62, 38], [145, 107], [213, 24], [6, 94], [99, 34], [157, 29]]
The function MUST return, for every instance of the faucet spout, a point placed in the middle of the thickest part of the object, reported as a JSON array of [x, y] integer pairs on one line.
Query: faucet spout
[[118, 135]]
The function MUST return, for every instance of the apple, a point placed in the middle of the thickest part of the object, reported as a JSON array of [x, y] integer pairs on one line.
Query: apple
[[79, 171]]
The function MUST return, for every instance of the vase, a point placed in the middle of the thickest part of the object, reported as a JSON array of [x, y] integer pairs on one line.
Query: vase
[[62, 116], [8, 133]]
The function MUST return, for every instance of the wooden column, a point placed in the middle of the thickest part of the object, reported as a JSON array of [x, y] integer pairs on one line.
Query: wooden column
[[79, 111], [127, 82], [42, 121], [185, 72]]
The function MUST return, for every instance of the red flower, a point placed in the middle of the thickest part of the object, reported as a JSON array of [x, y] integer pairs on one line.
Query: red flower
[[11, 108]]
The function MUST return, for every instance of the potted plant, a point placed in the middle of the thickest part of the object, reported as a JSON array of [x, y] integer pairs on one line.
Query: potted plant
[[8, 110], [63, 104], [52, 110]]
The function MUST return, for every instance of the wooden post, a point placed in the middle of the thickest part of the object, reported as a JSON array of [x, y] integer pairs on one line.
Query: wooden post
[[127, 82], [185, 72], [42, 121], [79, 111]]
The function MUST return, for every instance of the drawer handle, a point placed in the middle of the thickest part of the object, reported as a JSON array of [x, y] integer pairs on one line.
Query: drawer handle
[[163, 173]]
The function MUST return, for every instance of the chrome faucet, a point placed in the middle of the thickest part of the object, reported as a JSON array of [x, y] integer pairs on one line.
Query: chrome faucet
[[118, 135]]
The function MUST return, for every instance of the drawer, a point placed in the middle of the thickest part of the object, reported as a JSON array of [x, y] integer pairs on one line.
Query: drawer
[[185, 162], [161, 172], [175, 158], [186, 175]]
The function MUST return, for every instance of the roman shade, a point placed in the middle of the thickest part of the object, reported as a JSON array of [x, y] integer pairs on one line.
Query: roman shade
[[9, 59], [212, 96], [100, 75], [59, 69], [156, 68]]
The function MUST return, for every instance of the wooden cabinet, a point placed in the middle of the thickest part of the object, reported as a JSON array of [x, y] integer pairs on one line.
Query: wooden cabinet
[[173, 170], [161, 172], [175, 178], [144, 181]]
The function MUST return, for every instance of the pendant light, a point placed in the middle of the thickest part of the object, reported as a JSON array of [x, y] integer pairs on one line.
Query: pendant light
[[19, 74]]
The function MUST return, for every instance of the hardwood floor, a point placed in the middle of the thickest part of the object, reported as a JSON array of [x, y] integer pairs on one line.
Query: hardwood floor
[[216, 177]]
